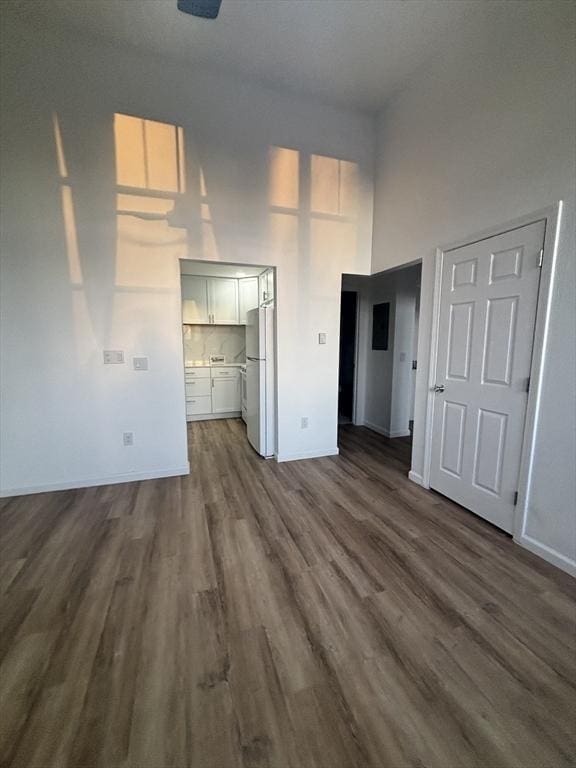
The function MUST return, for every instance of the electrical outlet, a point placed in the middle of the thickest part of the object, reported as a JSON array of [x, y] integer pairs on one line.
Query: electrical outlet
[[113, 356], [128, 438], [304, 422], [321, 338], [140, 363]]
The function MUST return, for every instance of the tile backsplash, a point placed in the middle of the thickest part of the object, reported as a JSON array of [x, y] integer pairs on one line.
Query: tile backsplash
[[201, 341]]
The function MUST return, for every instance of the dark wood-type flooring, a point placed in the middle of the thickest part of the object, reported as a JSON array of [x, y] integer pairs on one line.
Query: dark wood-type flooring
[[322, 614]]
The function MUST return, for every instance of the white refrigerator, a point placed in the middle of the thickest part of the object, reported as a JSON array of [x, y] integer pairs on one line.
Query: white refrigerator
[[260, 397]]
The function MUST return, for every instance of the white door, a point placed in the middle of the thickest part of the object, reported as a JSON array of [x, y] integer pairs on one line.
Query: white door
[[223, 293], [194, 299], [247, 296], [488, 303], [226, 395]]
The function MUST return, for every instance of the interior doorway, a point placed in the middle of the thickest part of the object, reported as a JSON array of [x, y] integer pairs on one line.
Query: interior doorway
[[378, 351], [229, 347], [347, 368]]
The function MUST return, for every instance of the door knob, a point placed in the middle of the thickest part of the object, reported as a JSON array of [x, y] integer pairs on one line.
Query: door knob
[[438, 387]]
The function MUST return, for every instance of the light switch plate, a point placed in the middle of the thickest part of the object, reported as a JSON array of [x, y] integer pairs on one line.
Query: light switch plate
[[321, 338], [140, 363], [113, 356]]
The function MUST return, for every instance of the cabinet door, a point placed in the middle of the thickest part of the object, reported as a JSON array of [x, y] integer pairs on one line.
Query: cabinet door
[[194, 299], [223, 293], [247, 296], [226, 395], [270, 293], [266, 287]]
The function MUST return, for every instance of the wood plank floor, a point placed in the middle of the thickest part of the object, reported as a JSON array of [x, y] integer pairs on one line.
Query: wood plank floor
[[317, 614]]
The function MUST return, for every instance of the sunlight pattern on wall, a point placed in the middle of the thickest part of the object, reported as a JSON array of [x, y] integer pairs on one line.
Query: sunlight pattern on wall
[[68, 212], [334, 186], [284, 177], [149, 154], [313, 204], [334, 212], [209, 247], [150, 176]]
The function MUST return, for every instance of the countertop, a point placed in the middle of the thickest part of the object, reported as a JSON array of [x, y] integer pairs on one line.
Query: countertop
[[205, 364]]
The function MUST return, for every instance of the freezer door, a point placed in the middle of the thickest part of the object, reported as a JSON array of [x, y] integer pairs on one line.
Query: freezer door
[[253, 334]]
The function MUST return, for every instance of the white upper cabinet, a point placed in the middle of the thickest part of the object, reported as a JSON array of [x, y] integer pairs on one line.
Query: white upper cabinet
[[223, 300], [266, 287], [209, 300], [247, 296], [195, 299]]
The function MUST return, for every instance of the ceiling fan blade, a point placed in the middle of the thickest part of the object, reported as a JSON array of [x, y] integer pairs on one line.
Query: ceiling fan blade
[[206, 9]]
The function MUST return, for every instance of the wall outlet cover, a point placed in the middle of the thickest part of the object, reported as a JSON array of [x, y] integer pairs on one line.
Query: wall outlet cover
[[128, 438], [321, 338], [140, 363], [304, 422], [113, 356]]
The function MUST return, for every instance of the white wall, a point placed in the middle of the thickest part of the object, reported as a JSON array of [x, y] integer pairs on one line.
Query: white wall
[[483, 135], [64, 302]]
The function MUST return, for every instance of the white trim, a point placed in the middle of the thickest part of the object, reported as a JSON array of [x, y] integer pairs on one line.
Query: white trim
[[210, 416], [375, 428], [386, 432], [541, 328], [547, 553], [281, 457], [416, 478], [356, 354], [552, 216], [398, 433], [65, 485], [438, 263]]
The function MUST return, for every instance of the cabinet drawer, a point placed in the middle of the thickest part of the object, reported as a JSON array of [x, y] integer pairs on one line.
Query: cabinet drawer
[[196, 373], [199, 405], [199, 387], [224, 372]]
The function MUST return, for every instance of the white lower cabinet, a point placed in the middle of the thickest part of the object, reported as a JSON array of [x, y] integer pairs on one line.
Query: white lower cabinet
[[226, 394], [212, 391], [196, 406], [196, 388]]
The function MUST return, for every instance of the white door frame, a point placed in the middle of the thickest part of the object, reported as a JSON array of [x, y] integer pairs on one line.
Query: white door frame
[[356, 353], [552, 217]]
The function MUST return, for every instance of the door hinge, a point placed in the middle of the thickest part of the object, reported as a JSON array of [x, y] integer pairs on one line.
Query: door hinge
[[528, 384], [515, 502], [541, 257]]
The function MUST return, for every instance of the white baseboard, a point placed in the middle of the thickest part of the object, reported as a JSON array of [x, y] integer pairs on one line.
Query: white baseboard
[[547, 553], [386, 432], [375, 428], [212, 416], [129, 477], [416, 478], [307, 455]]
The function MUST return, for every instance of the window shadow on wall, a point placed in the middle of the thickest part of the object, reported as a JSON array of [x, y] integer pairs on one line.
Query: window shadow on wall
[[158, 195]]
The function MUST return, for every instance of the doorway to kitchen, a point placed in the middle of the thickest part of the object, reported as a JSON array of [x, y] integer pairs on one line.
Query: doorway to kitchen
[[229, 347]]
